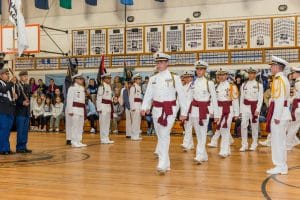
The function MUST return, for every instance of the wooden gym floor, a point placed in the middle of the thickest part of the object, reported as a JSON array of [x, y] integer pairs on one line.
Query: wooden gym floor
[[126, 170]]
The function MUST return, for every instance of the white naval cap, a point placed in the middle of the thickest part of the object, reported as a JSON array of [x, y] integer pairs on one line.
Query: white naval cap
[[159, 56], [251, 70], [296, 69], [79, 75], [136, 76], [278, 61], [106, 75], [222, 71], [187, 74], [201, 64]]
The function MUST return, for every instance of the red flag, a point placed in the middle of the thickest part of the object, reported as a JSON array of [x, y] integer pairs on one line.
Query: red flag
[[102, 69]]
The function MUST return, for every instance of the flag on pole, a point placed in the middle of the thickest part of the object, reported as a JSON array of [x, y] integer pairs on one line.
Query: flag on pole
[[101, 71], [127, 73], [91, 2], [17, 18], [67, 4], [42, 4], [127, 2]]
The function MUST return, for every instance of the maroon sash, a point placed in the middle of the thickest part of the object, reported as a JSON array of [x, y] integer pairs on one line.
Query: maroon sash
[[253, 106], [80, 105], [203, 109], [166, 110], [109, 102], [294, 107], [138, 100], [225, 113]]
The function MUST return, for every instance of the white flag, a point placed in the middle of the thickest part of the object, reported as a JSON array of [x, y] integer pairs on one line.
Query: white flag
[[17, 18]]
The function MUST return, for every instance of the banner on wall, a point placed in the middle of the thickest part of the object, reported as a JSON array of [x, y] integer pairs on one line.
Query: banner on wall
[[174, 38], [260, 33], [135, 40], [194, 37], [98, 41], [237, 32], [284, 32], [116, 41], [154, 39], [215, 36]]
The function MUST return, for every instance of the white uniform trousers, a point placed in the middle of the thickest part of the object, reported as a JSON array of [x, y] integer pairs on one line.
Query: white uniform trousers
[[128, 122], [188, 142], [136, 124], [163, 142], [244, 130], [226, 136], [278, 143], [104, 121], [216, 136], [77, 122], [292, 131], [68, 127], [201, 132]]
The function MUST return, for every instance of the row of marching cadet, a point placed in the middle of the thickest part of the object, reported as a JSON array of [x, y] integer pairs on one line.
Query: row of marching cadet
[[200, 102]]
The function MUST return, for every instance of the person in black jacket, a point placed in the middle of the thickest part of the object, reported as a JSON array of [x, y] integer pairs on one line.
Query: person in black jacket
[[23, 113], [7, 109]]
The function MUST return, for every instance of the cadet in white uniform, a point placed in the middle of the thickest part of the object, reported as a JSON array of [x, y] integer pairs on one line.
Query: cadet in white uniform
[[188, 142], [250, 105], [135, 100], [202, 102], [214, 140], [279, 116], [228, 107], [161, 94], [294, 125], [104, 107], [76, 110]]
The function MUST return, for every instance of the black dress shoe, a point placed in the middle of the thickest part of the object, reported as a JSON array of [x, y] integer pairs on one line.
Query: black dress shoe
[[128, 136], [24, 151], [11, 152], [68, 142], [7, 152]]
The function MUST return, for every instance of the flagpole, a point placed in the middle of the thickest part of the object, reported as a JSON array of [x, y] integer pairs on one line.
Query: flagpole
[[125, 24]]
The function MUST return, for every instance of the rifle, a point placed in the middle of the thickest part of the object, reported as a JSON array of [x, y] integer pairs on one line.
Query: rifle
[[19, 86]]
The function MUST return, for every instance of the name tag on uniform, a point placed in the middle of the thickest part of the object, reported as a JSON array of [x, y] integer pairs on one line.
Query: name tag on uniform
[[153, 83]]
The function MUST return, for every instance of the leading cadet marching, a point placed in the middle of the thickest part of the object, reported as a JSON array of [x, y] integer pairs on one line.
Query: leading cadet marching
[[161, 94], [278, 116], [202, 101]]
